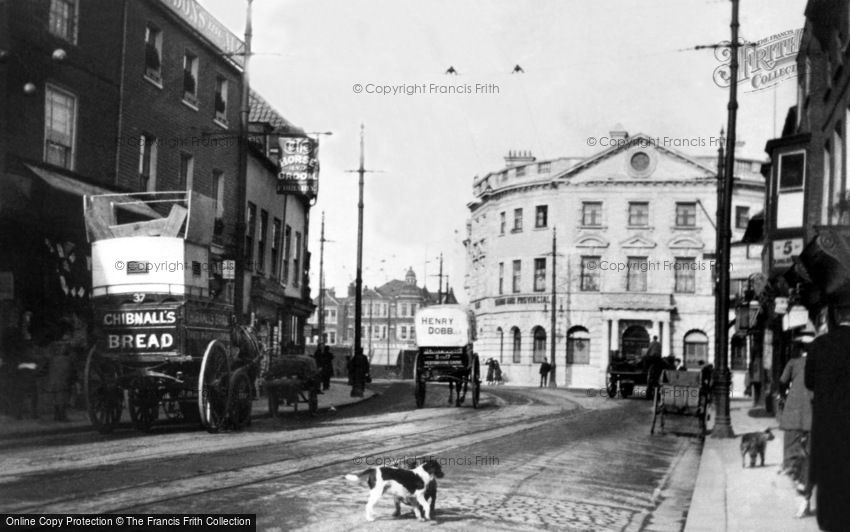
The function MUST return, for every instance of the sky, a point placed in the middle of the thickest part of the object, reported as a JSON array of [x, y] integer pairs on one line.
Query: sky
[[588, 66]]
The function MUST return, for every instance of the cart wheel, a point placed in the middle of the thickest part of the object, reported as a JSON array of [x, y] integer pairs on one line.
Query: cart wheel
[[104, 400], [212, 386], [143, 404], [239, 399], [313, 401], [420, 394], [476, 383], [610, 384], [273, 403], [656, 400]]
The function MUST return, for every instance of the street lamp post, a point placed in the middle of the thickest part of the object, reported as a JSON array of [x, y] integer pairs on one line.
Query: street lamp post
[[722, 375]]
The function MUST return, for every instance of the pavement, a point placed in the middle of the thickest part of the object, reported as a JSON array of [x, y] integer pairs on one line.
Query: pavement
[[338, 396], [729, 497]]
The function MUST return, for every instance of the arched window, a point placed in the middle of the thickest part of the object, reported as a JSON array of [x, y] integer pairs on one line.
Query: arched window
[[578, 346], [539, 353], [696, 348], [501, 335], [517, 344]]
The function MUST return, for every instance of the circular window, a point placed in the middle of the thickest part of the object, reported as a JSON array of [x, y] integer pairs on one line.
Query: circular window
[[640, 161]]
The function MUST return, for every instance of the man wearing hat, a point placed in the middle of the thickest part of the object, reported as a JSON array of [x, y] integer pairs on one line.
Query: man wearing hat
[[796, 419], [827, 375]]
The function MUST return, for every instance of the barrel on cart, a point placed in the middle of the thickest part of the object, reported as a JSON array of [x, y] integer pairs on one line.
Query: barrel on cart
[[166, 341], [444, 335]]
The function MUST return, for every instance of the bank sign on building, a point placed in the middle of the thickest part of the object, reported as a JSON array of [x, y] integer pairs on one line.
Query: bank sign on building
[[634, 259]]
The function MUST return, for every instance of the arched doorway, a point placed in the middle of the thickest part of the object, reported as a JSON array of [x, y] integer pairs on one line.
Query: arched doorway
[[635, 341]]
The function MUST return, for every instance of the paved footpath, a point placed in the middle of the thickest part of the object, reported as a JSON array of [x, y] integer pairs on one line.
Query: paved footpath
[[729, 497]]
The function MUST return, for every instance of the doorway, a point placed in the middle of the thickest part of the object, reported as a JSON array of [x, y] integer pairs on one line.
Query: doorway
[[635, 342]]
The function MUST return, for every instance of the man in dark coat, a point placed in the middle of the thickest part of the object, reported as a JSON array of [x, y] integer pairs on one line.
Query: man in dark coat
[[60, 373], [544, 372], [827, 374], [326, 364], [359, 373]]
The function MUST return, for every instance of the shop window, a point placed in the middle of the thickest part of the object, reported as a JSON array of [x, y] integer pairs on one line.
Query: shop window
[[517, 345]]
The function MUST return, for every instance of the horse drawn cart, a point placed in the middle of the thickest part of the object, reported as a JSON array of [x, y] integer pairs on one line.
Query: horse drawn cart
[[625, 373], [290, 380], [165, 343], [444, 334]]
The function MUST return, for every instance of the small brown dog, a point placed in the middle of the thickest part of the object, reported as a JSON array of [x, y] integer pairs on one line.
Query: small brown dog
[[754, 444]]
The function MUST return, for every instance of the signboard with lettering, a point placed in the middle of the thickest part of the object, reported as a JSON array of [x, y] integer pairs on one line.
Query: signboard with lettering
[[785, 250], [210, 28], [442, 326], [142, 331], [299, 166]]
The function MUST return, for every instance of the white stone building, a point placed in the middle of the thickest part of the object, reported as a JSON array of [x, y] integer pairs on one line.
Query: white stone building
[[635, 227]]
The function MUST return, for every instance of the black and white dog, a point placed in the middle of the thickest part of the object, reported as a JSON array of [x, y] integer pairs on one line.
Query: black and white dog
[[408, 486]]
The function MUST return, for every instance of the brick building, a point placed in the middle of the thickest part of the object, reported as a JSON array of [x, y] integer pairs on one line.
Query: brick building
[[59, 109], [635, 253], [102, 96], [276, 277]]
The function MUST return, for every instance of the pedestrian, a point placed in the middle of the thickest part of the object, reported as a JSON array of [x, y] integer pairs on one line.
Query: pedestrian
[[497, 371], [359, 373], [654, 349], [796, 421], [24, 369], [491, 370], [327, 367], [756, 376], [544, 373], [827, 374], [60, 372], [679, 365]]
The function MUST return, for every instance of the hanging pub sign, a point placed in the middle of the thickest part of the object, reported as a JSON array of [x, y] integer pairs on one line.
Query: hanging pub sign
[[299, 166]]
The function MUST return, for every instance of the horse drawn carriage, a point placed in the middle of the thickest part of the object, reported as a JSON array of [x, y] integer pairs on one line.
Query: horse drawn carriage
[[165, 344], [444, 335]]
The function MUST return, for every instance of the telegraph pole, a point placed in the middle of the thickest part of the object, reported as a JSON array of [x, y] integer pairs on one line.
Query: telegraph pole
[[242, 180], [722, 375], [440, 289], [358, 283], [358, 280], [322, 282]]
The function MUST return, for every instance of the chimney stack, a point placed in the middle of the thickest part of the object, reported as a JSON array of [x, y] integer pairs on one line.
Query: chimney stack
[[519, 158]]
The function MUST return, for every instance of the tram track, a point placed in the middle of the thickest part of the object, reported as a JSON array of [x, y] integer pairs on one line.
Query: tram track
[[405, 441], [126, 451]]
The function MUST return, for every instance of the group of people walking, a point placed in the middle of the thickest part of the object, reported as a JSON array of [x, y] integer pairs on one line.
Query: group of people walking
[[816, 419]]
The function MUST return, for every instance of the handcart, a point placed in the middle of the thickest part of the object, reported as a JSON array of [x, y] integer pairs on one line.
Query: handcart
[[681, 393], [290, 380]]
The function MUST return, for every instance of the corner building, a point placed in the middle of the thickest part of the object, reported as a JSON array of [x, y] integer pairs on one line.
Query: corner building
[[635, 227]]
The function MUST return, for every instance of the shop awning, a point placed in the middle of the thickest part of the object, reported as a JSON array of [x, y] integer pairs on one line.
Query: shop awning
[[827, 259], [76, 187]]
